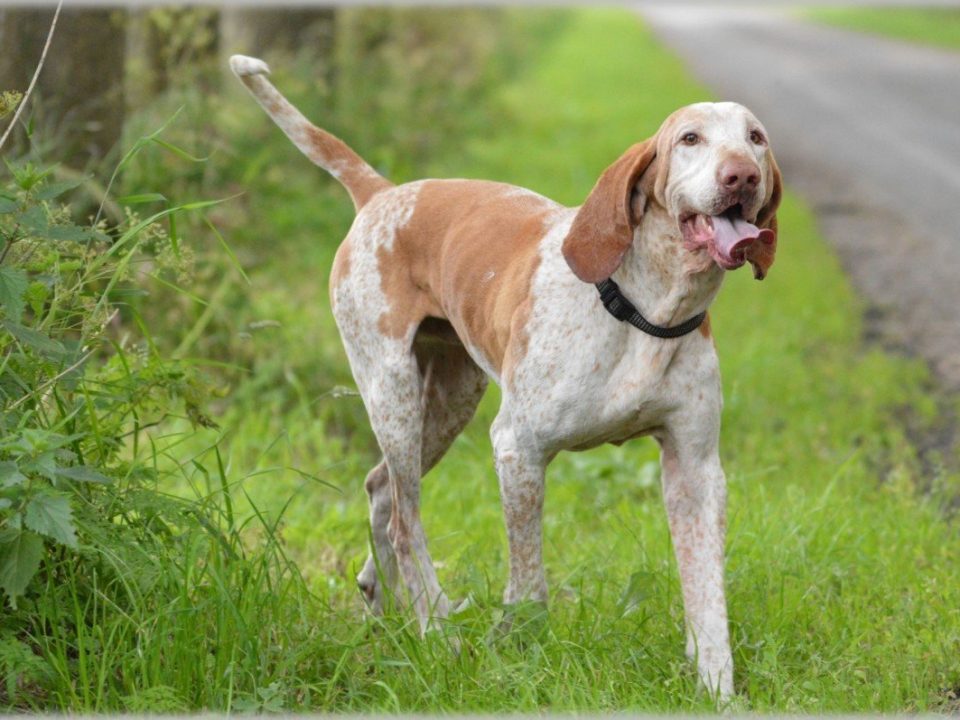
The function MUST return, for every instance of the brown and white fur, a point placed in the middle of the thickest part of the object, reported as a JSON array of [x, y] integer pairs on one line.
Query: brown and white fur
[[442, 284]]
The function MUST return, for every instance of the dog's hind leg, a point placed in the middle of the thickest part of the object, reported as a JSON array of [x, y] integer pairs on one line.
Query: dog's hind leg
[[379, 573], [393, 399], [415, 413], [452, 386]]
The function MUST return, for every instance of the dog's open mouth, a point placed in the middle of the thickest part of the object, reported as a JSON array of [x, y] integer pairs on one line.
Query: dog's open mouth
[[727, 237]]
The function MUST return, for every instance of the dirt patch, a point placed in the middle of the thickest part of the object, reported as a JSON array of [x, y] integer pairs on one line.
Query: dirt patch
[[950, 701]]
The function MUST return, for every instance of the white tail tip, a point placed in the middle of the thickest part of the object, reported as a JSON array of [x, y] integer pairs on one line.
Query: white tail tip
[[243, 66]]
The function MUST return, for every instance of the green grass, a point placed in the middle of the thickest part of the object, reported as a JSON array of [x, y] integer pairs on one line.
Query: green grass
[[843, 577], [844, 580], [939, 26]]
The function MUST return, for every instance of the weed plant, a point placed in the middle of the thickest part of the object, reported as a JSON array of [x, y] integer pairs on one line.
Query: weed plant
[[113, 584], [170, 565]]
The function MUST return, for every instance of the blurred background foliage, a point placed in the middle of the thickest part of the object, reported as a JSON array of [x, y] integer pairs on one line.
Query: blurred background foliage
[[402, 84], [160, 244], [181, 501]]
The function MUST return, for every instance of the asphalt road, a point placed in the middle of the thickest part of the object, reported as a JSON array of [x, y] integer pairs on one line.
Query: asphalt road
[[868, 131]]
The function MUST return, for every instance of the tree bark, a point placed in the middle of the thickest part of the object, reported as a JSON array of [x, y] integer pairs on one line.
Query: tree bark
[[78, 102], [257, 32]]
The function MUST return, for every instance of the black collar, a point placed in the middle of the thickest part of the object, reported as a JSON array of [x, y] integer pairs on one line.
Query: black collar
[[622, 309]]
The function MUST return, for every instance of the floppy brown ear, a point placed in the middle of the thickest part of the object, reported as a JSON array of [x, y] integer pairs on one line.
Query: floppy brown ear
[[602, 230], [761, 254]]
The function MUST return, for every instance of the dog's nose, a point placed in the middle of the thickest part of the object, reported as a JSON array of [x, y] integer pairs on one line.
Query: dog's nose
[[738, 173]]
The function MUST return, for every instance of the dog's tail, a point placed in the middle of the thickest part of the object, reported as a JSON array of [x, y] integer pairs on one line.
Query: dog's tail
[[324, 149]]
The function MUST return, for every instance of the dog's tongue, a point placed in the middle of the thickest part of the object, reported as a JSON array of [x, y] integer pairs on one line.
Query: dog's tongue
[[733, 236]]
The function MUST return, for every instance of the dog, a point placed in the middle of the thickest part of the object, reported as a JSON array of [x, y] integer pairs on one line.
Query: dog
[[592, 321]]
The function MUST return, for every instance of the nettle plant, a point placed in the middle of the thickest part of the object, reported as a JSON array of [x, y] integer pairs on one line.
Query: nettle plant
[[80, 377]]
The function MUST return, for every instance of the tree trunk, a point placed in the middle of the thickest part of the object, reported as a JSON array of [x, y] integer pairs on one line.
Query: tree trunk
[[257, 32], [78, 101]]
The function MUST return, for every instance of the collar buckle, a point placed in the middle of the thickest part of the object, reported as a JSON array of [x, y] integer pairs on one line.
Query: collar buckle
[[612, 299]]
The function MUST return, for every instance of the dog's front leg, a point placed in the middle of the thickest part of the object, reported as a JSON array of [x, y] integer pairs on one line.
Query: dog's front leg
[[521, 474], [694, 492]]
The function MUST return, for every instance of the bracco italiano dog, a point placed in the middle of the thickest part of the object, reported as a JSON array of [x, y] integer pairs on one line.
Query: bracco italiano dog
[[590, 319]]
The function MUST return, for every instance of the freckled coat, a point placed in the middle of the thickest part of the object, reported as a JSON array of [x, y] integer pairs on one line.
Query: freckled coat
[[441, 284]]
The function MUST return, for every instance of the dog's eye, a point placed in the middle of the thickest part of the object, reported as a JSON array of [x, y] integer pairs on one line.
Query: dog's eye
[[691, 138], [757, 138]]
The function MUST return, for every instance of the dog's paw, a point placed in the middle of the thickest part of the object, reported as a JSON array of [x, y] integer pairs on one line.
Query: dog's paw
[[525, 622], [243, 66]]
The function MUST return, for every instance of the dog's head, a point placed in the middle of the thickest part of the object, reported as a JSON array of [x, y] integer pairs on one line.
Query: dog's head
[[711, 168]]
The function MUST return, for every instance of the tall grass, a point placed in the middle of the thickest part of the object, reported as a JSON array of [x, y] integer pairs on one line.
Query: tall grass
[[842, 576], [216, 570], [119, 594], [132, 581]]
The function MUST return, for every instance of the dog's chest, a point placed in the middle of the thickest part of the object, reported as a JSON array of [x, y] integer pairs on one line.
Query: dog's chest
[[592, 394]]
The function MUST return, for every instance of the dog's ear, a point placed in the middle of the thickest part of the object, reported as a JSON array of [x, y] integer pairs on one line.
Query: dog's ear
[[761, 254], [602, 230]]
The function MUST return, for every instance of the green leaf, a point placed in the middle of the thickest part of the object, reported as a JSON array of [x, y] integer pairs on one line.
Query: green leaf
[[36, 296], [20, 554], [8, 205], [10, 474], [174, 235], [31, 441], [34, 220], [13, 283], [51, 515], [178, 151], [44, 345], [227, 249], [83, 473], [129, 292], [48, 192], [26, 174], [140, 199], [640, 588], [69, 233], [44, 464]]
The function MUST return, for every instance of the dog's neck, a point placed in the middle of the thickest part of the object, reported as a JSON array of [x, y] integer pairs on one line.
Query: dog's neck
[[666, 282]]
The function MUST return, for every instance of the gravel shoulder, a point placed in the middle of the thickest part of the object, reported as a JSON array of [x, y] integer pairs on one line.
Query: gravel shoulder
[[867, 129]]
